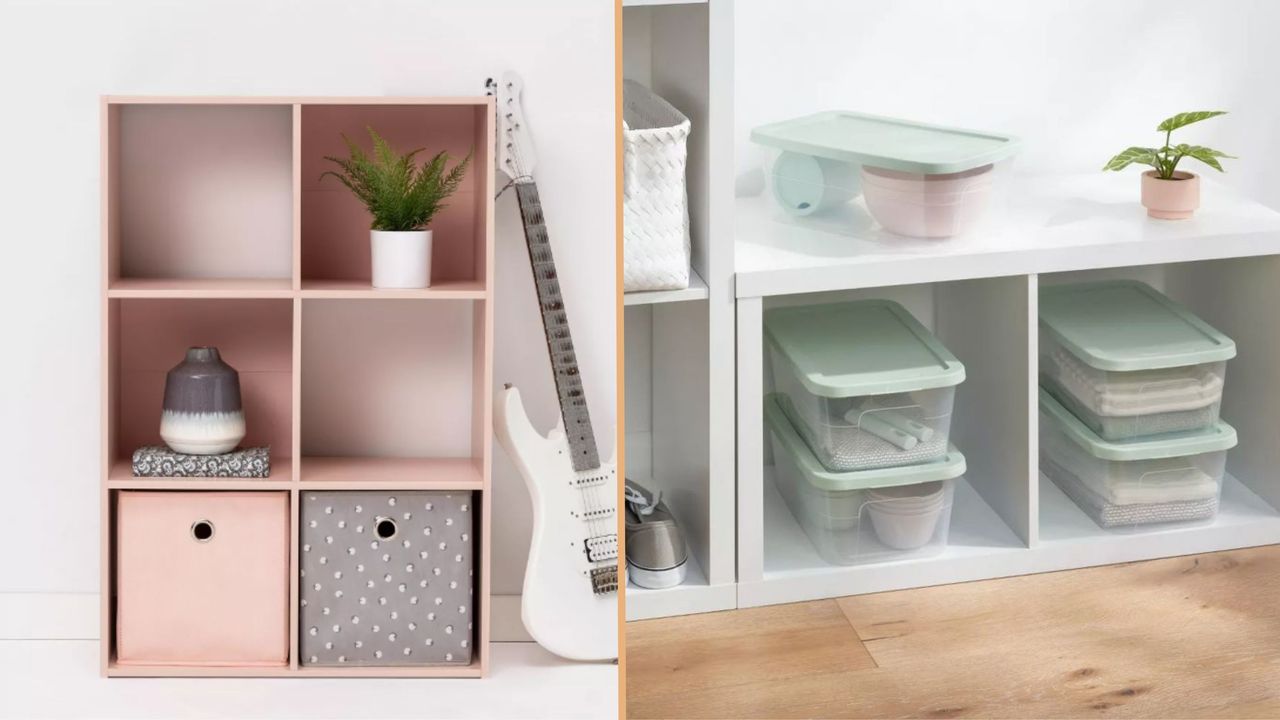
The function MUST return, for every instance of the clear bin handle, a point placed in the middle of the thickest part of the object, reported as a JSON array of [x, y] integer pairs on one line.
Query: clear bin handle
[[1142, 479]]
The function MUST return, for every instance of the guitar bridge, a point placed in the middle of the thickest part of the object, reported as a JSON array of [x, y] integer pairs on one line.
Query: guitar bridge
[[604, 580], [601, 547]]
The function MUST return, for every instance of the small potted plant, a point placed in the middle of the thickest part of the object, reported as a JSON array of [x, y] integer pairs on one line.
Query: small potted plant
[[402, 197], [1167, 192]]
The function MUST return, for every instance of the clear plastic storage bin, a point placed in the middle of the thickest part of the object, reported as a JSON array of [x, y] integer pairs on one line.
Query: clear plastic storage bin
[[1121, 484], [1130, 362], [864, 516], [865, 383], [915, 179]]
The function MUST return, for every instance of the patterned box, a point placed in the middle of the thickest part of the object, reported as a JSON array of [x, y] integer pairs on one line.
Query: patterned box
[[386, 578]]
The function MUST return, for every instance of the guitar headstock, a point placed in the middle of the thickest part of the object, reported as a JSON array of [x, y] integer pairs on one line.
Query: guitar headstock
[[515, 146]]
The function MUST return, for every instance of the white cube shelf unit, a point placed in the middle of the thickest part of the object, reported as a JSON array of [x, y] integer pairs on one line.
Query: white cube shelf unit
[[980, 297], [679, 344]]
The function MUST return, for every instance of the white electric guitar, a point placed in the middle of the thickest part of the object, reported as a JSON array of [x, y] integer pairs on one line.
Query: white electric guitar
[[570, 603]]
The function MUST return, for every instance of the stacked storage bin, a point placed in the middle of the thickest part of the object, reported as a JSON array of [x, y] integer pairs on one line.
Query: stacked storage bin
[[1131, 385], [916, 179], [859, 425]]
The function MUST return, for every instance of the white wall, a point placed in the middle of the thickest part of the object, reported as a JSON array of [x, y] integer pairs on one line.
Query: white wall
[[58, 57], [1078, 80]]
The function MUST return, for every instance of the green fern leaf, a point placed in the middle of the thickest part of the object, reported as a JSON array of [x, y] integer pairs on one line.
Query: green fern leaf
[[398, 193]]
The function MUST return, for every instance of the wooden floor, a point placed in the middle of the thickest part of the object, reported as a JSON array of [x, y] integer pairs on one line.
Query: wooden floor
[[1195, 636]]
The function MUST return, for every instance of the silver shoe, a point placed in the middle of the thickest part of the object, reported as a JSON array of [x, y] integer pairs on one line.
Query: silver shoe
[[657, 557]]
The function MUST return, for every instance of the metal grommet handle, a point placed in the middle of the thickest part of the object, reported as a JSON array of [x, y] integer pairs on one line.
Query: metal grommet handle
[[202, 530], [385, 528]]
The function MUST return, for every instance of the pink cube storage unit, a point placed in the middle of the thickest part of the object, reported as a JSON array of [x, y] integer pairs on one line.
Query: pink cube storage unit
[[217, 230], [203, 578]]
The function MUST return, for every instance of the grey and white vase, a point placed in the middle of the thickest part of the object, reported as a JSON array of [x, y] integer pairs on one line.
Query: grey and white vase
[[202, 413]]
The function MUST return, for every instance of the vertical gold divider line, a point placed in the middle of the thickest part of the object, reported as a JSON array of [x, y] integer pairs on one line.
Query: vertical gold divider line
[[620, 352]]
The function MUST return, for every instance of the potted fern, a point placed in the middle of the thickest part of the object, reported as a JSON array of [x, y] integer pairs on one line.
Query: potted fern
[[402, 198], [1167, 192]]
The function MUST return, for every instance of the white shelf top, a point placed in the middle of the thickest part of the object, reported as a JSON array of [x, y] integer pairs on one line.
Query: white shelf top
[[697, 290], [1053, 224]]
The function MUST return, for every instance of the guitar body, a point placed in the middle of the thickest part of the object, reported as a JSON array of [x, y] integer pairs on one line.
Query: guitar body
[[563, 609]]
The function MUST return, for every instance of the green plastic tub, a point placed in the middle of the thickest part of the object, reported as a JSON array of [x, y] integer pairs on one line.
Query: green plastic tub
[[865, 383], [1130, 362], [1136, 482], [867, 515], [917, 179]]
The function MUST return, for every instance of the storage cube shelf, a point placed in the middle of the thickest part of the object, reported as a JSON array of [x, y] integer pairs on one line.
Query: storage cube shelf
[[978, 293], [981, 297], [679, 343], [217, 230]]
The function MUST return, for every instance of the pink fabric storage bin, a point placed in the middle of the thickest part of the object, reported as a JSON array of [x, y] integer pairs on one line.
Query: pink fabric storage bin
[[202, 578]]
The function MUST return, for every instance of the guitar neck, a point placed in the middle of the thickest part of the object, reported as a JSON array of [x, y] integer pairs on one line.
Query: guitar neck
[[555, 323]]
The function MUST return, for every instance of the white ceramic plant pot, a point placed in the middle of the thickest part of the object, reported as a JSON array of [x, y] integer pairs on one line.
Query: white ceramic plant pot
[[401, 259]]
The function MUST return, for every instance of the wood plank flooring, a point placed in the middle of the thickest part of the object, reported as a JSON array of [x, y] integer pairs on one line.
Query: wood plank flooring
[[1196, 636]]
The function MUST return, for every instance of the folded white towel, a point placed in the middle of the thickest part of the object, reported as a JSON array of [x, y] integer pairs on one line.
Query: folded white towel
[[1142, 392]]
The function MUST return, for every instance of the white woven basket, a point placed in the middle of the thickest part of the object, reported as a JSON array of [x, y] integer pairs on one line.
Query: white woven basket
[[655, 207]]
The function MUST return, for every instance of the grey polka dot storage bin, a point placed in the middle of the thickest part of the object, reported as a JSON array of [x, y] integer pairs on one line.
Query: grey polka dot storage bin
[[386, 578]]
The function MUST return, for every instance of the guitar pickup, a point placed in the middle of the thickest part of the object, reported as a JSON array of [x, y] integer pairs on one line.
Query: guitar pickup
[[601, 547], [589, 480]]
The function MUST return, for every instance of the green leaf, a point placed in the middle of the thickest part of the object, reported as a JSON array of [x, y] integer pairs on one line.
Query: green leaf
[[398, 193], [1186, 118], [1208, 156], [1140, 155]]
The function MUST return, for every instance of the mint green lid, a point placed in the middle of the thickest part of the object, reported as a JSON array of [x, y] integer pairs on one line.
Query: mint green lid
[[1124, 325], [1219, 436], [885, 142], [949, 466], [865, 347]]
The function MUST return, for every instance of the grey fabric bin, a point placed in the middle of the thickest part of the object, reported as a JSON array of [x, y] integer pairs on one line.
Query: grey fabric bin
[[386, 578]]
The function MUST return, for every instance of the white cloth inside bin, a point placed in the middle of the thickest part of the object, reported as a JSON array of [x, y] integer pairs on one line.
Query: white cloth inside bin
[[1143, 392]]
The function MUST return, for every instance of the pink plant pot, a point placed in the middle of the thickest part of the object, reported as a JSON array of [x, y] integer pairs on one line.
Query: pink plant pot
[[1175, 199], [929, 206]]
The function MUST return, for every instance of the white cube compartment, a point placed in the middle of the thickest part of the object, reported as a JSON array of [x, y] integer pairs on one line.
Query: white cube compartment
[[915, 179], [863, 516], [1131, 483], [865, 383], [1128, 361]]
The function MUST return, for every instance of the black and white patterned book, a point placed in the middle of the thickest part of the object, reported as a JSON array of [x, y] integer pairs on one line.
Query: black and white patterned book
[[160, 461]]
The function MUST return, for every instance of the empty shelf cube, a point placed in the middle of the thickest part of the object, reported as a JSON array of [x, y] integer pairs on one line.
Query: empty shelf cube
[[202, 578], [386, 578]]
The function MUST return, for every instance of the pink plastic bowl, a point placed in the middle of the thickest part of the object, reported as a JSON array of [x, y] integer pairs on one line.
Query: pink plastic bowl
[[930, 206]]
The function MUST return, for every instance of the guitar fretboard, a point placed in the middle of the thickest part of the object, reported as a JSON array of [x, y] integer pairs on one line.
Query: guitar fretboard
[[555, 323]]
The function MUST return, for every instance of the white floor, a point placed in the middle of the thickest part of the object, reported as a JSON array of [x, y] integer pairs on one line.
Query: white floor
[[59, 679]]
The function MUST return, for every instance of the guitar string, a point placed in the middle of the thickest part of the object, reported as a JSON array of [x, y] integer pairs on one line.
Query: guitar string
[[589, 492]]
